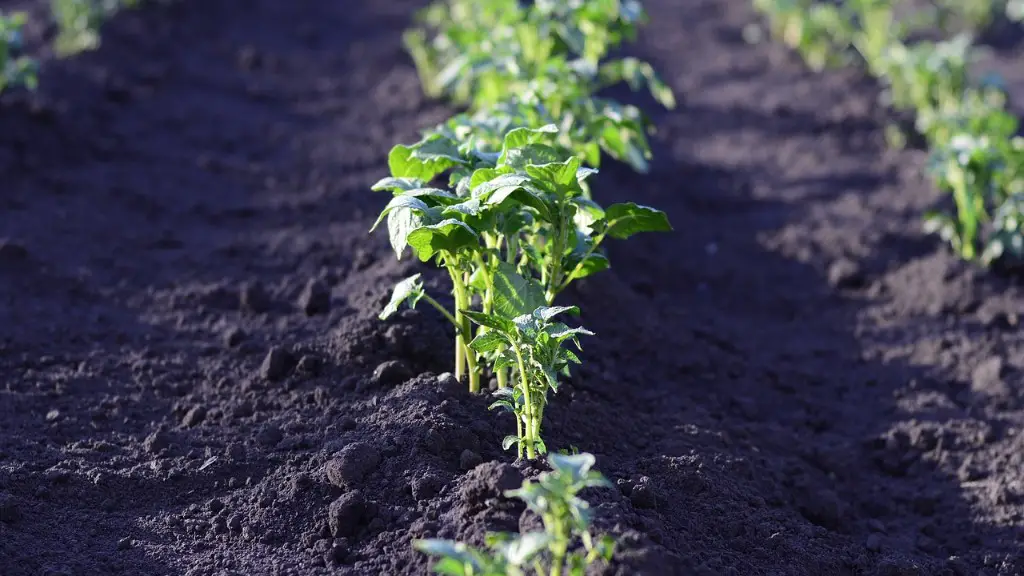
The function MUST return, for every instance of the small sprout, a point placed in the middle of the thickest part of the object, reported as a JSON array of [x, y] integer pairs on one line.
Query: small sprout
[[566, 546], [532, 346]]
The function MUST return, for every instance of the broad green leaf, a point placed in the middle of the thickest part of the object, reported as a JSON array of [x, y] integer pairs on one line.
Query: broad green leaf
[[446, 236], [513, 294], [576, 466], [401, 222], [409, 290], [626, 219], [491, 321], [594, 263], [548, 312], [397, 184], [425, 159], [401, 202], [504, 182], [560, 173], [482, 175], [509, 442], [521, 550], [435, 195], [469, 207], [520, 137], [488, 341], [519, 158]]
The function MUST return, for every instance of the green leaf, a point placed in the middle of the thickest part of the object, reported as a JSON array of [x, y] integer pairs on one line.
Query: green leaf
[[491, 321], [409, 290], [594, 263], [400, 224], [509, 441], [561, 173], [521, 137], [488, 341], [469, 207], [576, 466], [425, 159], [446, 236], [548, 312], [401, 202], [397, 184], [521, 550], [520, 158], [513, 294], [436, 195], [627, 219], [447, 549], [501, 185]]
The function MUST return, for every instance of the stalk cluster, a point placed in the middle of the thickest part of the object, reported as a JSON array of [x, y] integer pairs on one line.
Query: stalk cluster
[[975, 153]]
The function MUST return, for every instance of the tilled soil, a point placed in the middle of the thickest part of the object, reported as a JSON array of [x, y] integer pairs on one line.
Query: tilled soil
[[194, 381]]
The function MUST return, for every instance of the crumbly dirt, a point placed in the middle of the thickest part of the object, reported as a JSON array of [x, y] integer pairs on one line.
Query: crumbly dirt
[[795, 382]]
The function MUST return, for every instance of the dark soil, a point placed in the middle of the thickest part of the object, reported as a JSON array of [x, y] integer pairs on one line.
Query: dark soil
[[795, 382]]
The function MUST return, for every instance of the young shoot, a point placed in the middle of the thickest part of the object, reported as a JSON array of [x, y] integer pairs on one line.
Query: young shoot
[[513, 228], [533, 346], [566, 546]]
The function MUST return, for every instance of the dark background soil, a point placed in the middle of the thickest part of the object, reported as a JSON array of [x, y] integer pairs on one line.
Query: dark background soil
[[795, 382]]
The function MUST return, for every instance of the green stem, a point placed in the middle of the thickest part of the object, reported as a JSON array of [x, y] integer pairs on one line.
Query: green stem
[[445, 313], [528, 438], [459, 291], [579, 266], [555, 276], [463, 338]]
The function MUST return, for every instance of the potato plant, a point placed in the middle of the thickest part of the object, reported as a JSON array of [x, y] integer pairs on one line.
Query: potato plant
[[547, 57], [566, 546], [15, 68], [975, 153], [512, 228], [79, 21]]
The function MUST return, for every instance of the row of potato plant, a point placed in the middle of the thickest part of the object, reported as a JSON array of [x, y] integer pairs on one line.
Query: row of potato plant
[[78, 23], [974, 152], [499, 197]]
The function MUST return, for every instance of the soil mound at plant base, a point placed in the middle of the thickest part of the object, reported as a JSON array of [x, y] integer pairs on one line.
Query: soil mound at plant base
[[195, 381]]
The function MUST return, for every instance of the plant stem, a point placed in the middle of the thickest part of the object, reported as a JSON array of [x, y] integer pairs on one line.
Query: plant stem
[[555, 276], [445, 313], [528, 438], [462, 350], [579, 266]]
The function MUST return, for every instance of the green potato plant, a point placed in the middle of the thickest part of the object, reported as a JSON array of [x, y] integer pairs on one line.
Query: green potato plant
[[533, 346], [547, 57], [15, 69], [566, 546], [513, 228], [975, 156], [79, 21]]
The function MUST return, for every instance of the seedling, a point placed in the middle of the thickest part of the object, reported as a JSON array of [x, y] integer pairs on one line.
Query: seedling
[[15, 69], [513, 228], [565, 547], [549, 56], [533, 346]]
